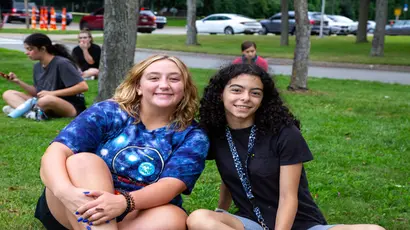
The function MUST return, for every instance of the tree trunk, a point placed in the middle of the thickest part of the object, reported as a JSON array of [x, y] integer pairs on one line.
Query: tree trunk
[[120, 35], [378, 37], [363, 17], [298, 81], [191, 38], [284, 29]]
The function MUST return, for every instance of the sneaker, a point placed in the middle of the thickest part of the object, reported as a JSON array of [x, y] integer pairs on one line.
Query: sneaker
[[30, 115], [89, 78], [7, 109]]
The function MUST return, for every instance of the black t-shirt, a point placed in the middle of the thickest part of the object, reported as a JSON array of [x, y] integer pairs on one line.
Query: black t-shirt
[[270, 152], [95, 52], [60, 73]]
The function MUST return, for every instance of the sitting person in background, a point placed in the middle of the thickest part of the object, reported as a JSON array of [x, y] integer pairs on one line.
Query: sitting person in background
[[58, 85], [87, 55], [249, 56], [123, 163]]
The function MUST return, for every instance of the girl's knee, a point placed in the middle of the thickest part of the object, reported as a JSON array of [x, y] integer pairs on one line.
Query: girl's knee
[[375, 227], [82, 161], [46, 102], [8, 93], [177, 217], [95, 72], [198, 217]]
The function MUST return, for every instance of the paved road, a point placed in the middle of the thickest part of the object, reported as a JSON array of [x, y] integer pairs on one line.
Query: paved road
[[206, 61]]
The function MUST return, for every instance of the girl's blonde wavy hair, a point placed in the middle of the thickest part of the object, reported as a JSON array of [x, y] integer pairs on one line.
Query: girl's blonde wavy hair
[[127, 97]]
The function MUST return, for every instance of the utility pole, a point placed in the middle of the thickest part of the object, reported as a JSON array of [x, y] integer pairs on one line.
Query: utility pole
[[321, 18], [27, 14]]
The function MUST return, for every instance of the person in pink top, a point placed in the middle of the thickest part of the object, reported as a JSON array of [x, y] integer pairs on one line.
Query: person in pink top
[[249, 56]]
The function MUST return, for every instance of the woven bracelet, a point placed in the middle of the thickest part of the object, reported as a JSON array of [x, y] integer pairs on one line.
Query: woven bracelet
[[130, 201]]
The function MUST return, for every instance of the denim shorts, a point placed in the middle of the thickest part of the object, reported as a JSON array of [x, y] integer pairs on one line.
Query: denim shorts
[[322, 227], [249, 224]]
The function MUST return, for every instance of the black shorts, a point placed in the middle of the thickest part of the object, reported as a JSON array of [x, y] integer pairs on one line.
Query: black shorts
[[47, 219], [44, 215], [77, 103], [79, 107]]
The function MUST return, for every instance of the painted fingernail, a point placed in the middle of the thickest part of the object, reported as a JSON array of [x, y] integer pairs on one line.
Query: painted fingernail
[[85, 220], [107, 221], [88, 228], [80, 219], [91, 223], [77, 213], [86, 193]]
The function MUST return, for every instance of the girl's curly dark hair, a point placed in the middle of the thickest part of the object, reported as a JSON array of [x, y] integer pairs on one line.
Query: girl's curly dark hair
[[271, 115]]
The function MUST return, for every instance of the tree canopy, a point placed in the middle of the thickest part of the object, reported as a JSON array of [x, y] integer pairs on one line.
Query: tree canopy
[[266, 8], [250, 8]]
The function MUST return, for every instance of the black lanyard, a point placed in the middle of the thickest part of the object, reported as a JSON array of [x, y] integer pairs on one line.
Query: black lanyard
[[243, 173]]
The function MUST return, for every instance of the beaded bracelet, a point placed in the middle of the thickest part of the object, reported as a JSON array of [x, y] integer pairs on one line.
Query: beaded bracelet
[[130, 201]]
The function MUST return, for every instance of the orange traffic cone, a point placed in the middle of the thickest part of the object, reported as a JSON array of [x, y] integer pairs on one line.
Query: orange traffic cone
[[63, 19], [42, 18], [53, 25], [45, 18], [33, 18]]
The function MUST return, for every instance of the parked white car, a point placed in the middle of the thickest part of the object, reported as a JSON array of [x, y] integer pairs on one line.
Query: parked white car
[[346, 22], [228, 24], [161, 21], [371, 26], [339, 28]]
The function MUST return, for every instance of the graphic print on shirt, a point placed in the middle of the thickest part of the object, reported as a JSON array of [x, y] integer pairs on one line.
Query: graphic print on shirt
[[143, 164]]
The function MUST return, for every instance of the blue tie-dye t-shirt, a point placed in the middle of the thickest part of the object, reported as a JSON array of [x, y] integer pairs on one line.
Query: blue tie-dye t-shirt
[[136, 156]]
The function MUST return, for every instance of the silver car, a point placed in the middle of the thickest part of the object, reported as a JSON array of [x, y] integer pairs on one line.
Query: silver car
[[400, 27], [161, 21]]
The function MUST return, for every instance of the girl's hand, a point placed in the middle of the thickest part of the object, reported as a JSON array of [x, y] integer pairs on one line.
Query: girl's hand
[[74, 198], [84, 45], [13, 77], [105, 207], [45, 93]]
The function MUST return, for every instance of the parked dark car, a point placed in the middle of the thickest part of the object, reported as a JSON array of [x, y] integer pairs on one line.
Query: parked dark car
[[371, 27], [273, 24], [17, 12], [95, 21], [400, 27], [59, 17]]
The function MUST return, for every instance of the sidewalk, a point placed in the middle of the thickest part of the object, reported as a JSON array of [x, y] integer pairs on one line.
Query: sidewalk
[[272, 61], [380, 73]]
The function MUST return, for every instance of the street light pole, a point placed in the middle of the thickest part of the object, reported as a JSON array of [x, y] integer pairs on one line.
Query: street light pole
[[321, 18]]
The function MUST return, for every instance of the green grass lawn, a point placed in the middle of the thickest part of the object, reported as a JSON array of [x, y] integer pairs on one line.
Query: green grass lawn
[[330, 49], [176, 21], [358, 132]]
